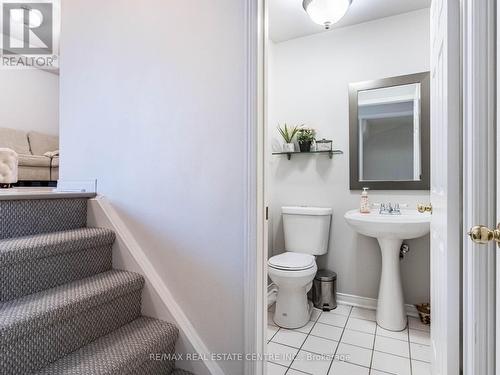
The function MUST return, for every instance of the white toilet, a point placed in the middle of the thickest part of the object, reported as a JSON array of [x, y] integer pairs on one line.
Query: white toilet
[[307, 231]]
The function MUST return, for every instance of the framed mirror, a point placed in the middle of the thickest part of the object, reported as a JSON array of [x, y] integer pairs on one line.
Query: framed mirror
[[389, 133]]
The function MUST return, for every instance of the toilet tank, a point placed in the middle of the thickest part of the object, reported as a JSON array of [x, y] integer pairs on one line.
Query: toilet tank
[[307, 229]]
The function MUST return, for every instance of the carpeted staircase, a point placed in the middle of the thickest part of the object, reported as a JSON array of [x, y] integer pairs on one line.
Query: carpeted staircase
[[63, 309]]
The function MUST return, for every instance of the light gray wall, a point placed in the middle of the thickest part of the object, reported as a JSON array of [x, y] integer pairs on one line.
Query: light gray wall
[[29, 100], [309, 84], [153, 107]]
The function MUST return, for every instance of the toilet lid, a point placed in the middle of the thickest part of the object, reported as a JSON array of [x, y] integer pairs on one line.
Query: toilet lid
[[292, 261]]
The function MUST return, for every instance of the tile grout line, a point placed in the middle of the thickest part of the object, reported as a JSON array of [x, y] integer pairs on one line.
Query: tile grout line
[[315, 321], [325, 338], [409, 348], [272, 337], [373, 347], [340, 340]]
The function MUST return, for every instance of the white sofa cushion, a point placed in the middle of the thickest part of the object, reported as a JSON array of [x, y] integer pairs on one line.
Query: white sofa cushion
[[34, 161], [16, 140], [42, 143], [8, 166]]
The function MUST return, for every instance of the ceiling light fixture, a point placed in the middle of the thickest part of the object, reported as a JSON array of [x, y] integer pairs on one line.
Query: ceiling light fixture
[[326, 12]]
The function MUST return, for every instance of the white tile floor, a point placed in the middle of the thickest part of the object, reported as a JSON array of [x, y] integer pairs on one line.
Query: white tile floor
[[347, 341]]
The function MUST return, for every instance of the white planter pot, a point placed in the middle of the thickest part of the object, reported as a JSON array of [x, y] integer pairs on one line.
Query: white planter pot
[[288, 147]]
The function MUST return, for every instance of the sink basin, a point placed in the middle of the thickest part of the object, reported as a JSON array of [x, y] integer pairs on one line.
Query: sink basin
[[410, 224], [390, 231]]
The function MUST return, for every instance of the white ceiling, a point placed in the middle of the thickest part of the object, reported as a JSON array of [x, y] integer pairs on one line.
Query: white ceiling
[[288, 20]]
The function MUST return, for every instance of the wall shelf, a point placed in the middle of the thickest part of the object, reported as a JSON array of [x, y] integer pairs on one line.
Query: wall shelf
[[329, 153]]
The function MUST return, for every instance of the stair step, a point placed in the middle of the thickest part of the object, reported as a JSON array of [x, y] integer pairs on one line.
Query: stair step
[[34, 263], [24, 217], [41, 328], [126, 351]]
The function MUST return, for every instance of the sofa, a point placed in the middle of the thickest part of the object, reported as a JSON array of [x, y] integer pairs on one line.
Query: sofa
[[38, 154]]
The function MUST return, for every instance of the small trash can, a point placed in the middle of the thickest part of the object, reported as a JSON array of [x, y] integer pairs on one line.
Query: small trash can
[[325, 290]]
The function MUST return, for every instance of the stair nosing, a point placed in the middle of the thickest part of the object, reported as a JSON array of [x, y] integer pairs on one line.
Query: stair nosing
[[40, 195], [76, 304]]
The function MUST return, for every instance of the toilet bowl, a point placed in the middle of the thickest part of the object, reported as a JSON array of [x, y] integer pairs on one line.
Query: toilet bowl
[[293, 274], [306, 232]]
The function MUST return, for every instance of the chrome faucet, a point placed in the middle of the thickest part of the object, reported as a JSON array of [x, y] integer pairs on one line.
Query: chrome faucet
[[388, 209]]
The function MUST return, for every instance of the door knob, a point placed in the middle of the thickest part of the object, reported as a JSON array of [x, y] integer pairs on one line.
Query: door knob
[[424, 208], [482, 235]]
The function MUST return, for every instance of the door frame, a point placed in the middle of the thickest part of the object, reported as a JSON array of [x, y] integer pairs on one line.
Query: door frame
[[479, 185], [255, 231], [476, 19]]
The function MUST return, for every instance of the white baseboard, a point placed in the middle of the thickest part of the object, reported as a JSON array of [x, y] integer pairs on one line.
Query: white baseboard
[[369, 303], [125, 237], [80, 186]]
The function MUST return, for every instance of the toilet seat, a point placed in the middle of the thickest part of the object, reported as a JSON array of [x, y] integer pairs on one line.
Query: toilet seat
[[292, 261]]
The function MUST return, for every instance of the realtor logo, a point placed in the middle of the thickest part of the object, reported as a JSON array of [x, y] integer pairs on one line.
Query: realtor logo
[[28, 35], [27, 28]]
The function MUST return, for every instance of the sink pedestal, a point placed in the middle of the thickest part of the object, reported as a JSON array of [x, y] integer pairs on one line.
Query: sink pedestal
[[391, 313], [390, 231]]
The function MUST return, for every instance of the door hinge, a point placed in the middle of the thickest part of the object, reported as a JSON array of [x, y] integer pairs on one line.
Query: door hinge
[[267, 213]]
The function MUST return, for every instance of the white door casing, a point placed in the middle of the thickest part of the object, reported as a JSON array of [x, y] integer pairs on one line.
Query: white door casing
[[254, 279], [496, 354], [479, 184], [445, 187]]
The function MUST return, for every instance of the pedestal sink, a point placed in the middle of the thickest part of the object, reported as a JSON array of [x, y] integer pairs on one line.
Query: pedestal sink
[[390, 231]]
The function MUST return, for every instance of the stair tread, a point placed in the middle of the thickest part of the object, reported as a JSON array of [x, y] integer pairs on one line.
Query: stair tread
[[119, 352], [22, 315], [20, 249]]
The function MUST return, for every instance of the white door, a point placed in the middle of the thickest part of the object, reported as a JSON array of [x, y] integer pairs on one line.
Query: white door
[[445, 187], [479, 187]]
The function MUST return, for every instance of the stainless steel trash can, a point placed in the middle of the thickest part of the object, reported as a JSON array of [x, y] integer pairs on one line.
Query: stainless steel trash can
[[325, 290]]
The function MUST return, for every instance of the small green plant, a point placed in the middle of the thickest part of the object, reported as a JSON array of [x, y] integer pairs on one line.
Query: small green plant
[[306, 135], [288, 133]]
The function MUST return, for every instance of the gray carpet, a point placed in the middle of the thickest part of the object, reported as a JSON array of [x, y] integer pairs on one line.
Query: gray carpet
[[63, 309], [125, 351], [34, 263], [33, 216]]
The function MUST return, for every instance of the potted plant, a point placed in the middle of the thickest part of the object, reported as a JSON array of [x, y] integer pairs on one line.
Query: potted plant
[[305, 137], [288, 134]]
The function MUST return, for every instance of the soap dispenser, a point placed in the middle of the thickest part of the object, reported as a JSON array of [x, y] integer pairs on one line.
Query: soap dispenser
[[365, 205]]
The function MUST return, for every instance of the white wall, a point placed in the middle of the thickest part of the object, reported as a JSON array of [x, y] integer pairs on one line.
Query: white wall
[[29, 100], [153, 107], [309, 84]]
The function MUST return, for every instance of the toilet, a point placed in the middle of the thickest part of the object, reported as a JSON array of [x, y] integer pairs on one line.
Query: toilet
[[306, 230]]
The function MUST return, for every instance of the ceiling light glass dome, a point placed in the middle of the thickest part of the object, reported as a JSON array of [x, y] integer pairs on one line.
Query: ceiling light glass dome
[[326, 12]]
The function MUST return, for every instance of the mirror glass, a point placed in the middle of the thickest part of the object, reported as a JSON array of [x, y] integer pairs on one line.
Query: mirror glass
[[389, 133]]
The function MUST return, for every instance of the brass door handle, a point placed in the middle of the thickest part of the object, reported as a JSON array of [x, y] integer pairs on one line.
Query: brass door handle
[[424, 208], [481, 234]]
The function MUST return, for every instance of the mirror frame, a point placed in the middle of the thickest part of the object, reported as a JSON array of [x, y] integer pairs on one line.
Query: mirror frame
[[424, 184]]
